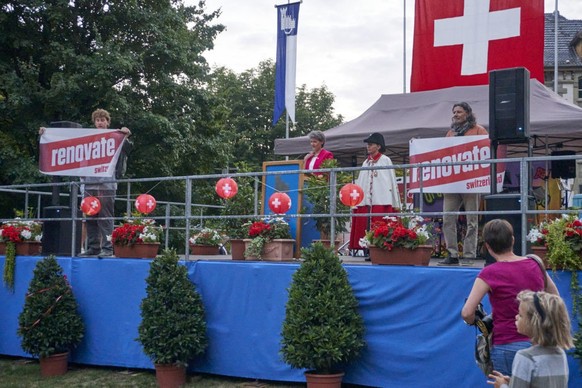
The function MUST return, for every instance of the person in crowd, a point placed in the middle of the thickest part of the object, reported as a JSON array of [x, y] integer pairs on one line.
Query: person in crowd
[[502, 281], [544, 318], [463, 124], [313, 160], [97, 227], [380, 189]]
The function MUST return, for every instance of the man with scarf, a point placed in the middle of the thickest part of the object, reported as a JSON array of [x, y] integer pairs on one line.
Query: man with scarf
[[463, 124]]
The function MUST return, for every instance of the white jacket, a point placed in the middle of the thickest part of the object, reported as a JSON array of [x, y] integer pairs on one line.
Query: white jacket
[[380, 187]]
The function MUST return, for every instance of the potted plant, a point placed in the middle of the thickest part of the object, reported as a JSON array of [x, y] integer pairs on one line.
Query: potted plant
[[323, 329], [205, 242], [564, 243], [137, 238], [50, 324], [173, 327], [537, 237], [270, 239], [237, 236], [399, 240], [21, 237], [317, 193], [236, 228]]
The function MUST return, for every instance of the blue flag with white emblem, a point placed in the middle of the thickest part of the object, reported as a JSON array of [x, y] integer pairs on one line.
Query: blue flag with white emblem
[[287, 22]]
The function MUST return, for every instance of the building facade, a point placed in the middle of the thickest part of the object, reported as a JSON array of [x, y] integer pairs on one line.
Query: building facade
[[569, 63]]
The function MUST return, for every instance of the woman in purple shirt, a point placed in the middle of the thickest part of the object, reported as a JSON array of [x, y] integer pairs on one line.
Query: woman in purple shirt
[[502, 281]]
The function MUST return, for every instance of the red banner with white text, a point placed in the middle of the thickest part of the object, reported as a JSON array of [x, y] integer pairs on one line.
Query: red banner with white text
[[452, 178], [457, 42], [87, 152]]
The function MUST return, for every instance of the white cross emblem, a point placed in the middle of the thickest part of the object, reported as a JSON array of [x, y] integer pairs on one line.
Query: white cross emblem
[[94, 204], [355, 194], [276, 203], [150, 204], [474, 30], [226, 189]]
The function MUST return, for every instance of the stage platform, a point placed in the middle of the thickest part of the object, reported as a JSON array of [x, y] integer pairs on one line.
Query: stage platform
[[415, 336], [355, 260]]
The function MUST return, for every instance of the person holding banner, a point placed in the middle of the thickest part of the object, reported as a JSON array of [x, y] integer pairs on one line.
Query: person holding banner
[[102, 187], [98, 228], [313, 160], [380, 189], [463, 124]]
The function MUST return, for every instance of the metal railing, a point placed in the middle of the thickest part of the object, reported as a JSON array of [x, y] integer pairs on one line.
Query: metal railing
[[193, 214]]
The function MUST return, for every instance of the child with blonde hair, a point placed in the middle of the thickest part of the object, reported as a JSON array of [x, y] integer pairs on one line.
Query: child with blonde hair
[[544, 318]]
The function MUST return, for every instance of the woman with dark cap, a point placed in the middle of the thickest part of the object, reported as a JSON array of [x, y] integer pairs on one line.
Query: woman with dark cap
[[380, 189], [313, 160]]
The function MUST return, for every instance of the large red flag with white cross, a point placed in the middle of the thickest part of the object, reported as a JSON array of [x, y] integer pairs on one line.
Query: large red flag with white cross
[[457, 42]]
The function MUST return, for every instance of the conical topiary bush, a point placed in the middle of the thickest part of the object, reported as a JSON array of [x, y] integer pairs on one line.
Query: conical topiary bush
[[49, 323], [322, 329], [173, 327]]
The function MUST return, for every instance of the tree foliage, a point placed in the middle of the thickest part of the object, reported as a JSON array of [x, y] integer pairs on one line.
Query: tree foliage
[[140, 60], [244, 106], [143, 61]]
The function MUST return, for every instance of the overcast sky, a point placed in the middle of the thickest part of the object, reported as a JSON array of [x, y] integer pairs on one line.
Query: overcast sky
[[353, 47]]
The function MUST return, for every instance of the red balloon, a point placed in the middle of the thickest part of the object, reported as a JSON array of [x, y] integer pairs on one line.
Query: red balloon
[[145, 203], [279, 203], [226, 188], [351, 194], [90, 206]]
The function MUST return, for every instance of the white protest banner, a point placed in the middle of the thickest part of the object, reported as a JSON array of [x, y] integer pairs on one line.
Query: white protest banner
[[460, 178], [87, 152]]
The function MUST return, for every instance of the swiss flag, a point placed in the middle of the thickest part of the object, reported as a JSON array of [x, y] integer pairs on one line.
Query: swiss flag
[[457, 42]]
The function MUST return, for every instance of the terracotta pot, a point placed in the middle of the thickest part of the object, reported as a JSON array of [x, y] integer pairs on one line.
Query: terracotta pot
[[2, 248], [327, 243], [54, 365], [275, 250], [542, 252], [401, 256], [203, 250], [237, 249], [324, 381], [170, 375], [137, 251], [28, 248]]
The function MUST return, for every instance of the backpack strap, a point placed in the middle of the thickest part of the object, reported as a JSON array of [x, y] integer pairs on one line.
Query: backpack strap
[[538, 260]]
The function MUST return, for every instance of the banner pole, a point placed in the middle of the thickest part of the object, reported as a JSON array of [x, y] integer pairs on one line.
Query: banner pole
[[404, 48]]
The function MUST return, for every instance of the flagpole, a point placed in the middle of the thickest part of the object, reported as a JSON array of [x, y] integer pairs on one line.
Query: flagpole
[[556, 48], [287, 113], [404, 49]]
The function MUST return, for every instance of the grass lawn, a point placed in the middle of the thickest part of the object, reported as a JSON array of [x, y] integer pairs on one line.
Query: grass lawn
[[19, 372]]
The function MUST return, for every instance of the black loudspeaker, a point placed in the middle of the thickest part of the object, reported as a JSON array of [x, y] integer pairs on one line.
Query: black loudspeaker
[[509, 105], [564, 169], [502, 202], [58, 235]]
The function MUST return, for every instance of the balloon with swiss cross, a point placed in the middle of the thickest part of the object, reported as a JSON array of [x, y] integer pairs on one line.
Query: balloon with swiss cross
[[226, 188], [145, 203], [351, 194], [90, 206], [279, 203]]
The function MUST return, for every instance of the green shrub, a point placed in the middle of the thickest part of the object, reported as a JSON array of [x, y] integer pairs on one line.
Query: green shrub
[[323, 328], [173, 328], [49, 322]]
